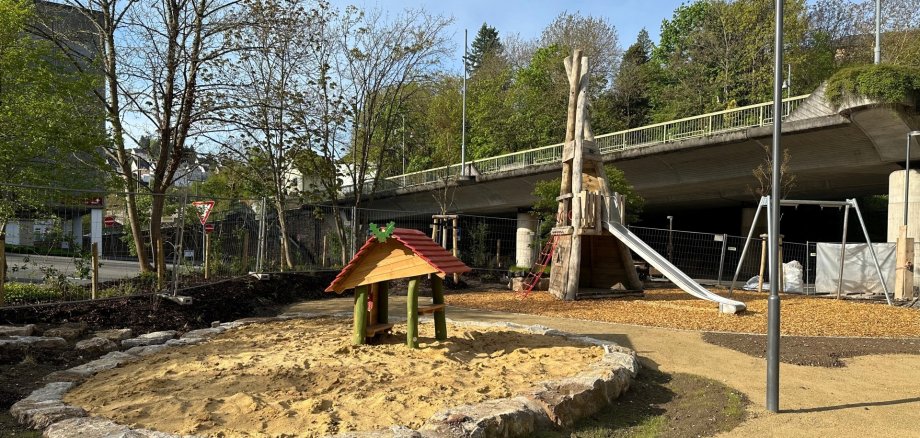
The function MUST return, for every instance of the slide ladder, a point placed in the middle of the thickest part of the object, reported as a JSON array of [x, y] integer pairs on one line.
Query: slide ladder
[[677, 276], [536, 271]]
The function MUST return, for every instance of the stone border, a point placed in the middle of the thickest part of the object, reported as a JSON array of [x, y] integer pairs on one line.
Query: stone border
[[550, 403]]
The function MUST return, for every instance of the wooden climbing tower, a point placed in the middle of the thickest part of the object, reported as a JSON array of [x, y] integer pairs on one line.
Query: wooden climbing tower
[[588, 260]]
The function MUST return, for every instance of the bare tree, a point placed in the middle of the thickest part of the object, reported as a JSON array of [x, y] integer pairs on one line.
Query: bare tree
[[175, 47], [596, 36], [266, 82], [95, 50], [366, 64]]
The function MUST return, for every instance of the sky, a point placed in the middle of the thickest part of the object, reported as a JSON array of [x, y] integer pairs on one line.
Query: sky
[[529, 18]]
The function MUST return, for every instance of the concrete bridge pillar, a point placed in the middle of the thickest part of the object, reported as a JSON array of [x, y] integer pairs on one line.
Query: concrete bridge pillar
[[524, 242], [896, 204]]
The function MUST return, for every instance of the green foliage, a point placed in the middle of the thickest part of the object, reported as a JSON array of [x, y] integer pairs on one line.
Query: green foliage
[[28, 293], [47, 115], [884, 82], [383, 234], [547, 191], [486, 44]]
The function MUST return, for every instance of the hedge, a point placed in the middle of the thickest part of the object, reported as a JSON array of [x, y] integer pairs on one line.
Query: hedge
[[884, 83]]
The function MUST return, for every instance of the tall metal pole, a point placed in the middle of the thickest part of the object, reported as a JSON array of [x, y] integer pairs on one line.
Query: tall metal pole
[[463, 130], [773, 211], [403, 142], [878, 31]]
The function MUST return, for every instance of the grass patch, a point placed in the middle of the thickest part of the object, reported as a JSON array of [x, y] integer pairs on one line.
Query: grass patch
[[664, 405]]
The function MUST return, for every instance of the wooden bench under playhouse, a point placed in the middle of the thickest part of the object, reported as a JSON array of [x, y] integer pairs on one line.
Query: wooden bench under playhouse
[[392, 254]]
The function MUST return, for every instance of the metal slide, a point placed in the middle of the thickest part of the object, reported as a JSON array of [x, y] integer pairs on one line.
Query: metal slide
[[679, 278]]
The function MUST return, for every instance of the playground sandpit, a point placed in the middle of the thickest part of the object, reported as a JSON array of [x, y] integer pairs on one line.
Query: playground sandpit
[[304, 378]]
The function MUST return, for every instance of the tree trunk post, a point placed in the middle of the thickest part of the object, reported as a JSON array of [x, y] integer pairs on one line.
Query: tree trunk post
[[412, 314], [360, 330], [440, 316], [383, 298], [95, 271]]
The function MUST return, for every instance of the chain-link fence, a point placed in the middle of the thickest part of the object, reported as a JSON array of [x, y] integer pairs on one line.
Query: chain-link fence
[[50, 234]]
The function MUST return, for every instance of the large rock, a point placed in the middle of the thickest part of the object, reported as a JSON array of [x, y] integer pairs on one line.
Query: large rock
[[70, 331], [154, 338], [206, 333], [14, 348], [146, 350], [94, 427], [506, 417], [81, 372], [10, 330], [44, 406], [114, 335], [96, 346], [393, 432]]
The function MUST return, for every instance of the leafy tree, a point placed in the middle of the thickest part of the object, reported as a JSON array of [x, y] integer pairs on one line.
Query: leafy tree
[[49, 126], [631, 103], [546, 191], [485, 45], [540, 92]]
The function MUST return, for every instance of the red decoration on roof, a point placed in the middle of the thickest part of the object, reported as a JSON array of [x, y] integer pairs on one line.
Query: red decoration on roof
[[416, 241]]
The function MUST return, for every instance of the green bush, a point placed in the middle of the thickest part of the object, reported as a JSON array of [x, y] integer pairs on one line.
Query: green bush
[[27, 293], [884, 83]]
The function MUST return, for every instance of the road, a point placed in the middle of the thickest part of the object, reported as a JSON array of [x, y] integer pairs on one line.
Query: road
[[32, 268]]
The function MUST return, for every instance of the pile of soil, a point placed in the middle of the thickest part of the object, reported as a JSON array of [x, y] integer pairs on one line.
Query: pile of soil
[[304, 377], [220, 301], [814, 351]]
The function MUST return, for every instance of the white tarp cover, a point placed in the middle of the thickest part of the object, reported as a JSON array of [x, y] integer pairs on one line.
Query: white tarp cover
[[859, 274], [793, 281]]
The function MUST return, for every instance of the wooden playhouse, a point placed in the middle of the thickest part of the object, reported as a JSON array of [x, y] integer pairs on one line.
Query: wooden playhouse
[[392, 254]]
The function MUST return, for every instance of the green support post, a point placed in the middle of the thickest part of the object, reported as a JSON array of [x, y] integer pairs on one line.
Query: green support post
[[440, 316], [382, 304], [360, 315], [412, 314]]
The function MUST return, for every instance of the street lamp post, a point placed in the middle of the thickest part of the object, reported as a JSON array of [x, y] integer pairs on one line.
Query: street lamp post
[[907, 173]]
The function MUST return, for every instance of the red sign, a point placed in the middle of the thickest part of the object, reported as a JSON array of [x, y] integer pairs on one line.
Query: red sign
[[109, 221], [94, 202], [208, 228], [204, 210]]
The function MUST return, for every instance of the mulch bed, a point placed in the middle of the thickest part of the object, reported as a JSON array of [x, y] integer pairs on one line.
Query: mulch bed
[[814, 351], [673, 308]]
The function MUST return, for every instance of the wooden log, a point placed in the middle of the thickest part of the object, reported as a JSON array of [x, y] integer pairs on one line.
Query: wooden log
[[95, 272], [383, 300], [763, 261], [904, 272], [440, 315], [412, 313], [360, 324]]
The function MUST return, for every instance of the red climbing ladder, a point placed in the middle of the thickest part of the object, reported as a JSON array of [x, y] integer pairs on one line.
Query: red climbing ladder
[[536, 272]]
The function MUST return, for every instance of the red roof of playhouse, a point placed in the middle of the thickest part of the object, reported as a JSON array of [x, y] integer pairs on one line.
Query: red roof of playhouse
[[408, 253]]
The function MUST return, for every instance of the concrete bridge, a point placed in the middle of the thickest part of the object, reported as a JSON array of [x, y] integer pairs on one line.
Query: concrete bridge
[[697, 162]]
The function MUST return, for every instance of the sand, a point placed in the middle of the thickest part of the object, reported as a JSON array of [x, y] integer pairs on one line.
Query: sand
[[304, 378]]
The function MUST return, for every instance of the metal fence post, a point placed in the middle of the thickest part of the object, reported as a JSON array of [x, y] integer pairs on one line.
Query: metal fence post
[[354, 231], [260, 251], [722, 258]]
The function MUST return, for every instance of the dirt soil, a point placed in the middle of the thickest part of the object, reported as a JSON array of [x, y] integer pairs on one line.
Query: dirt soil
[[673, 308], [221, 301], [666, 406], [303, 377], [814, 351]]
